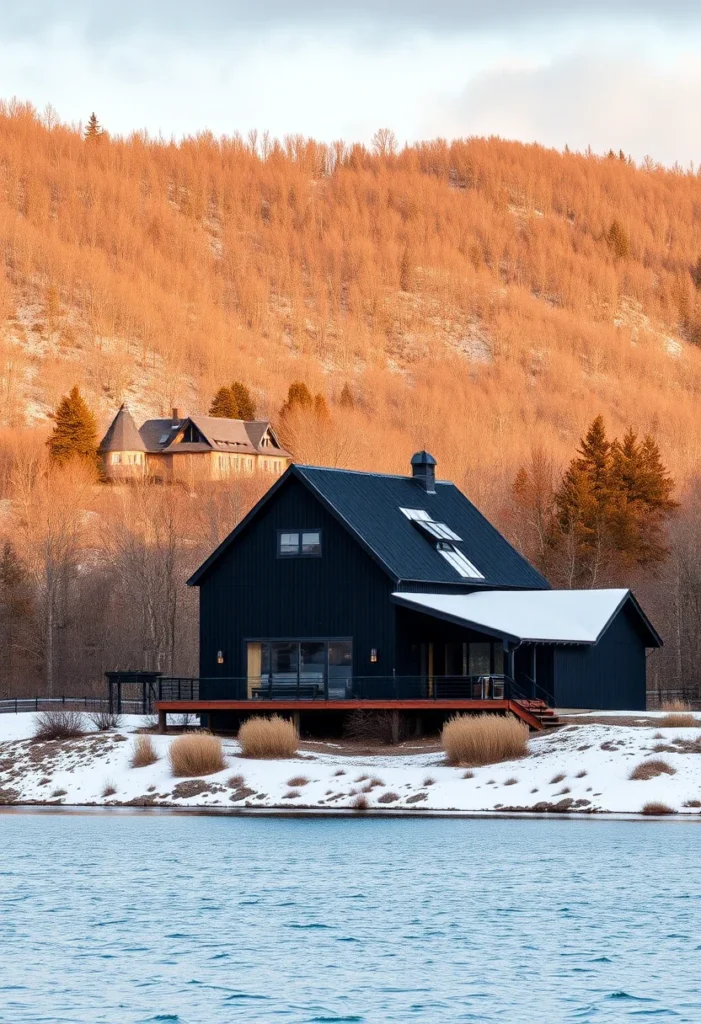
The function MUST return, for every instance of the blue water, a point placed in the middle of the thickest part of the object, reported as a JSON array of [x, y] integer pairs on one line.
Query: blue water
[[202, 919]]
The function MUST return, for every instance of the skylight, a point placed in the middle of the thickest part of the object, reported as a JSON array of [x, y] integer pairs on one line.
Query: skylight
[[459, 561], [438, 530], [163, 438], [416, 514]]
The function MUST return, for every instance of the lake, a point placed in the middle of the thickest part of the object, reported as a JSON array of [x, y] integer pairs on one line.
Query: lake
[[200, 920]]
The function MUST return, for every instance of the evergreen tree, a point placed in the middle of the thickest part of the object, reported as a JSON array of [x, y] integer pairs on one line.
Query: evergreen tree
[[346, 401], [618, 241], [224, 405], [75, 432], [245, 407], [298, 397], [93, 129], [321, 409]]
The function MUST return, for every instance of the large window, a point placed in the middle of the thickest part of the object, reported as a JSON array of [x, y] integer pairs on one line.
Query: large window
[[296, 543], [280, 668]]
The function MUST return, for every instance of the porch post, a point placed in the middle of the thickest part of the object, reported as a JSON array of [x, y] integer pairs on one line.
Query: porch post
[[533, 668], [395, 727], [162, 721]]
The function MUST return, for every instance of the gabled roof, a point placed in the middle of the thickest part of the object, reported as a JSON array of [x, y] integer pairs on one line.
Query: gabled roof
[[369, 506], [548, 616], [220, 434], [122, 435]]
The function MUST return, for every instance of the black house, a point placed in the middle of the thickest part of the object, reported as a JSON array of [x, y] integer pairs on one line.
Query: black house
[[343, 586]]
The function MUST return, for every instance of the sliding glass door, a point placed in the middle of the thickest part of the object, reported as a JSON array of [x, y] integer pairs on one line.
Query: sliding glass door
[[308, 669]]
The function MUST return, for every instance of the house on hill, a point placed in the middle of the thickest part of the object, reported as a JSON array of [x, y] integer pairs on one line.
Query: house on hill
[[184, 448], [344, 589]]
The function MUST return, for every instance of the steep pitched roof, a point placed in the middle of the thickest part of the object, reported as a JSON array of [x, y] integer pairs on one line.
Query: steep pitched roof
[[370, 506], [547, 616], [221, 435], [122, 435]]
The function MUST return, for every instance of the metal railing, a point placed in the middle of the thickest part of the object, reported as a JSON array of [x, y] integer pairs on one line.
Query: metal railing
[[279, 687], [16, 705]]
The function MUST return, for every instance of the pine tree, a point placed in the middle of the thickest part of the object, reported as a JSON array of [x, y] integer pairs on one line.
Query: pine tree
[[75, 432], [93, 129], [583, 504], [618, 241], [346, 401], [224, 405], [321, 409], [298, 397], [245, 407]]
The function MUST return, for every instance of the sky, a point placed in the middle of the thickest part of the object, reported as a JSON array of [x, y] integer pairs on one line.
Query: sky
[[602, 73]]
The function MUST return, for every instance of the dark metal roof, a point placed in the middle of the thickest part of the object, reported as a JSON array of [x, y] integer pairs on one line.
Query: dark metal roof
[[122, 435], [369, 505]]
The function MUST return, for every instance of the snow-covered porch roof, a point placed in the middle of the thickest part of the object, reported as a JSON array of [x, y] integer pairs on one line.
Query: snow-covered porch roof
[[538, 616]]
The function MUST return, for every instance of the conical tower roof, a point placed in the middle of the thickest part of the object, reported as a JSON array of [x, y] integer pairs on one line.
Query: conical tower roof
[[122, 435]]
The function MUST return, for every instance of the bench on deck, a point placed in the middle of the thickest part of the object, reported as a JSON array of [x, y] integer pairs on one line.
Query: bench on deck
[[288, 691]]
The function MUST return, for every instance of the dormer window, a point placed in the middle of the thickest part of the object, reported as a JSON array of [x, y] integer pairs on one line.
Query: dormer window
[[298, 543]]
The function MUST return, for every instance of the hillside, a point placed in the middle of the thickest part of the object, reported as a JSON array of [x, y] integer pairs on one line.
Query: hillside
[[478, 297], [483, 299]]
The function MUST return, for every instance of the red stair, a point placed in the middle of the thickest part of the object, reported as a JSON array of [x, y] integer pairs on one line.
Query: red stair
[[540, 710]]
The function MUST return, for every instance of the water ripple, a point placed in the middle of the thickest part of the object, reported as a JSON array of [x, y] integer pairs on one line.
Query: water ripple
[[330, 921]]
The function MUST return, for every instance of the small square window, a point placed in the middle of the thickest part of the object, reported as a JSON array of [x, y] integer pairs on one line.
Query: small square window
[[311, 542], [288, 543]]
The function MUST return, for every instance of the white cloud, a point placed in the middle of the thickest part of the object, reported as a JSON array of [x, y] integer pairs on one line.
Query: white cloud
[[617, 74], [608, 102]]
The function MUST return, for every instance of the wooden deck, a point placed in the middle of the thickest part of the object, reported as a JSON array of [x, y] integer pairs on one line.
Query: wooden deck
[[267, 706]]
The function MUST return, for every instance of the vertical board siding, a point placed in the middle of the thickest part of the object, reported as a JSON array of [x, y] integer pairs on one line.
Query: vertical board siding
[[610, 675], [252, 593]]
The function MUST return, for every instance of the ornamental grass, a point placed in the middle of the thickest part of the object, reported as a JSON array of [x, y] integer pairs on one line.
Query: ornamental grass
[[484, 739], [268, 737], [196, 754]]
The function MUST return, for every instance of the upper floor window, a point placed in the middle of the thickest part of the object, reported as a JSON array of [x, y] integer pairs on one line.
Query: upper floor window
[[291, 543]]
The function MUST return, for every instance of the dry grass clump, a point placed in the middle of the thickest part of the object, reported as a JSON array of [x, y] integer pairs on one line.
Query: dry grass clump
[[268, 737], [360, 803], [58, 725], [143, 752], [296, 781], [109, 788], [651, 769], [195, 754], [104, 720], [468, 775], [675, 705], [655, 809], [388, 798], [483, 739], [58, 792], [679, 720], [557, 778], [511, 782]]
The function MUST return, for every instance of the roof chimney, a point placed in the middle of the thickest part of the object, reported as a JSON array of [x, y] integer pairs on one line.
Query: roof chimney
[[423, 470], [177, 413]]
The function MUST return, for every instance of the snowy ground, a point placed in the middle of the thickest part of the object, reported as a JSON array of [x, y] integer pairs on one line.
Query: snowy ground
[[579, 768]]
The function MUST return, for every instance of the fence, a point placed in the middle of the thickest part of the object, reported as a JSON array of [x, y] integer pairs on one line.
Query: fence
[[688, 696], [15, 705]]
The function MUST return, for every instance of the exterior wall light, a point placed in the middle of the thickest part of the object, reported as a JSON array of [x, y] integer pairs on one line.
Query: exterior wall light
[[373, 655], [220, 657]]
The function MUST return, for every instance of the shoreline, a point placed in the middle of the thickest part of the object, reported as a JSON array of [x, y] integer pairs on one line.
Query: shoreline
[[335, 812], [602, 769]]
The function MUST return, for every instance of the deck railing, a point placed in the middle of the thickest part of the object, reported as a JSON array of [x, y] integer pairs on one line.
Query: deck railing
[[272, 687]]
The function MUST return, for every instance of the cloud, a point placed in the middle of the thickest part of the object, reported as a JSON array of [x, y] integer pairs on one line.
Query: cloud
[[110, 20], [608, 102]]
